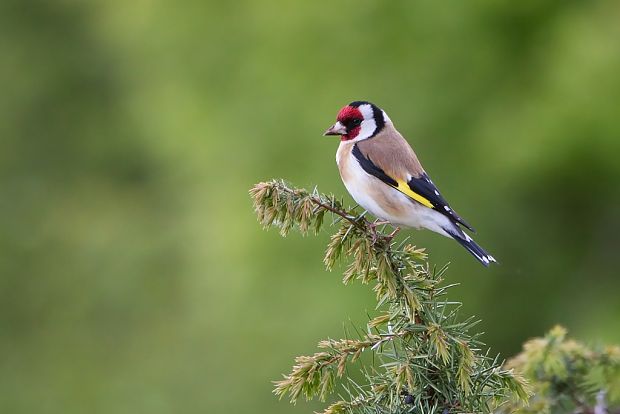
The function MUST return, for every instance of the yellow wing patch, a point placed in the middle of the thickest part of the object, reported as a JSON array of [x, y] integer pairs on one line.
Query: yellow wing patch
[[403, 187]]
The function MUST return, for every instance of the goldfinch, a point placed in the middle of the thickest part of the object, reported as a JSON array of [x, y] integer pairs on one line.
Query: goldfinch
[[384, 176]]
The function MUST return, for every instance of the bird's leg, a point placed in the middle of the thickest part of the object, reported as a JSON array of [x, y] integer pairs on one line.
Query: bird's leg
[[378, 222], [393, 234], [373, 228]]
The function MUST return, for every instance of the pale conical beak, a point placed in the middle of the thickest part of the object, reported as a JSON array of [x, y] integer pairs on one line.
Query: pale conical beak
[[336, 129]]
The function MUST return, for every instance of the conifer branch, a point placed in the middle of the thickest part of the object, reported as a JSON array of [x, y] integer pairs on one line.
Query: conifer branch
[[426, 359]]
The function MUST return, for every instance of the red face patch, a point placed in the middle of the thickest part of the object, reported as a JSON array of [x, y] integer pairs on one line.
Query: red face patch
[[348, 117], [348, 112]]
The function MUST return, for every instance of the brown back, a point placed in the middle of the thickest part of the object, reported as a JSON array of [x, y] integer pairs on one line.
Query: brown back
[[389, 151]]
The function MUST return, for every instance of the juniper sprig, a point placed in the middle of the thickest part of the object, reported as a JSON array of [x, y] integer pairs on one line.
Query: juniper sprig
[[425, 358]]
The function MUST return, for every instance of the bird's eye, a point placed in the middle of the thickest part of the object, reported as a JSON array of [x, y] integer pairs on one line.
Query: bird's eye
[[355, 122]]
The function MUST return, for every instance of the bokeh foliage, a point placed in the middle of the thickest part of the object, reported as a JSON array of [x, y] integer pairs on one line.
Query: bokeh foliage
[[133, 276], [568, 376]]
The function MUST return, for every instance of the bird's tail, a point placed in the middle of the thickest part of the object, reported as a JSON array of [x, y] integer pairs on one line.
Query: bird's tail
[[472, 247]]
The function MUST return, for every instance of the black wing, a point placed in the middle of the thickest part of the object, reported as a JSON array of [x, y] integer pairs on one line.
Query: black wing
[[420, 189], [425, 187]]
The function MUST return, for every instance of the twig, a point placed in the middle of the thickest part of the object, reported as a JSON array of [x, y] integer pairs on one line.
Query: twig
[[334, 210]]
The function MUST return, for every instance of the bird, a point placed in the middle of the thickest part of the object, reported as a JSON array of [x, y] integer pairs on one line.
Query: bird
[[384, 176]]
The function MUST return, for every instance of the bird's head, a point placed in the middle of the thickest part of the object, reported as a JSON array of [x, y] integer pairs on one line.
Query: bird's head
[[358, 120]]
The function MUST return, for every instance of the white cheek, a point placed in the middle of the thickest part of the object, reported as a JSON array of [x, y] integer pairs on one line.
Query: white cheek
[[367, 128], [369, 125]]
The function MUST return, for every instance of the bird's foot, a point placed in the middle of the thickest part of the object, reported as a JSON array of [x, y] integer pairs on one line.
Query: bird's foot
[[373, 233], [373, 226], [393, 234], [373, 229]]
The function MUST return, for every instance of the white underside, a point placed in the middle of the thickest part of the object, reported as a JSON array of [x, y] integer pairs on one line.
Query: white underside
[[374, 195]]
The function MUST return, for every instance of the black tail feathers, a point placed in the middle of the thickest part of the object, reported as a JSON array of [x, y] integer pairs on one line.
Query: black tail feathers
[[473, 248]]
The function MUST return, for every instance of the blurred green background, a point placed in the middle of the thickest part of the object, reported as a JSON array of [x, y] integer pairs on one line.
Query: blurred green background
[[134, 277]]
